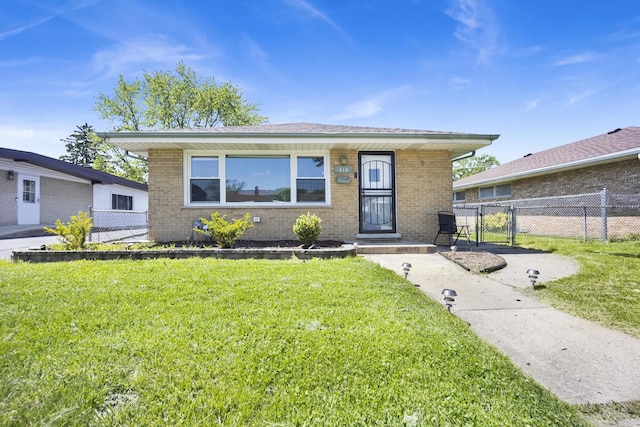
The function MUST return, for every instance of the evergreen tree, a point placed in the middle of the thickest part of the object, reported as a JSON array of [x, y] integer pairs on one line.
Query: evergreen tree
[[83, 146]]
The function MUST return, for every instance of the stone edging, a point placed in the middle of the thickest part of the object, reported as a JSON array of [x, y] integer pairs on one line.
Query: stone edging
[[35, 255], [488, 263]]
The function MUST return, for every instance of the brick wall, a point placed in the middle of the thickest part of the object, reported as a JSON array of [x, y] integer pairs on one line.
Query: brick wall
[[8, 205], [620, 177], [423, 187], [423, 182], [60, 199]]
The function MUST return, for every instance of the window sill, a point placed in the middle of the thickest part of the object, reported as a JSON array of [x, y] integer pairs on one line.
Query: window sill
[[258, 205]]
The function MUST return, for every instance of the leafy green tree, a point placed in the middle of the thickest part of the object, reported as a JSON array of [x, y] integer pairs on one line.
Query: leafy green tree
[[83, 146], [118, 162], [473, 165], [168, 100], [176, 100]]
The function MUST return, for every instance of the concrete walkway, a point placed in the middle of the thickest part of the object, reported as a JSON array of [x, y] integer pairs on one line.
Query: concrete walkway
[[580, 361]]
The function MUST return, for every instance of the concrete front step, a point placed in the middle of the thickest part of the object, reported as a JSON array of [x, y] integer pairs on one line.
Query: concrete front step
[[368, 248]]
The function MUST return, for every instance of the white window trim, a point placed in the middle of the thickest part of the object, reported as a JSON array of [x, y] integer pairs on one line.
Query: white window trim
[[293, 164], [464, 196]]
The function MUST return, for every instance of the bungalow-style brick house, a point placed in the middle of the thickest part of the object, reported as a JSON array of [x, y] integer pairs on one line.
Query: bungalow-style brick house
[[36, 189], [362, 182], [588, 166]]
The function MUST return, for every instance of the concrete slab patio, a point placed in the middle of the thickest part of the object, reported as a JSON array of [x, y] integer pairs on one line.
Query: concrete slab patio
[[580, 361]]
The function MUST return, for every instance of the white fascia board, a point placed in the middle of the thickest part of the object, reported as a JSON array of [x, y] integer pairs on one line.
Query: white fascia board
[[31, 169], [142, 142]]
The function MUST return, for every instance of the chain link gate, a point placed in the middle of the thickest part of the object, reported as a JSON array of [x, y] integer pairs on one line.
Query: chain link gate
[[600, 216], [497, 224]]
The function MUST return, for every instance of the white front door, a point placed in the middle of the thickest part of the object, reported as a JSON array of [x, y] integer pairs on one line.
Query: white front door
[[28, 200]]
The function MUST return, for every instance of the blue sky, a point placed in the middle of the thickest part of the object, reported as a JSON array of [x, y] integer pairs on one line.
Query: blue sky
[[541, 73]]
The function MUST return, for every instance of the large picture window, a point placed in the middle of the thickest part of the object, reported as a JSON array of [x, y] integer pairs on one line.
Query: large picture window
[[258, 179], [236, 178]]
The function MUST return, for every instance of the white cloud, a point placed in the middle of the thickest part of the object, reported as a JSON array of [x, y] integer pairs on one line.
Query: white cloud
[[477, 27], [574, 98], [24, 28], [147, 50], [533, 104], [576, 59], [459, 83], [366, 108], [40, 138], [313, 11], [374, 104], [253, 51]]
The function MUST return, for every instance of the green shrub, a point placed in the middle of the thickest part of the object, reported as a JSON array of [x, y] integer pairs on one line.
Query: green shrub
[[74, 233], [223, 232], [307, 228], [495, 222]]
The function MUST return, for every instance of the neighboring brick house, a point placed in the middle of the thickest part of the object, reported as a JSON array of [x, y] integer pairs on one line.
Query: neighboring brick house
[[36, 189], [588, 166], [362, 182]]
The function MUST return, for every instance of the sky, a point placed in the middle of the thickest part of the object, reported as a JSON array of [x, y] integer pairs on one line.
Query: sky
[[540, 73]]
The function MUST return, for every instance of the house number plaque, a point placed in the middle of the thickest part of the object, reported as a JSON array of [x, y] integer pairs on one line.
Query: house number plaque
[[347, 170]]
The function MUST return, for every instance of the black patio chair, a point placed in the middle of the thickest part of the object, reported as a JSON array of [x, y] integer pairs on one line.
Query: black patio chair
[[447, 225]]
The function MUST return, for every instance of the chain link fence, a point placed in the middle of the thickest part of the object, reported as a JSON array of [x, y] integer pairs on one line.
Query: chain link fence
[[118, 226], [595, 216]]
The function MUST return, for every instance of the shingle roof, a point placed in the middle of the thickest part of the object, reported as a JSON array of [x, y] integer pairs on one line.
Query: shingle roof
[[305, 128], [297, 136], [619, 142], [95, 176]]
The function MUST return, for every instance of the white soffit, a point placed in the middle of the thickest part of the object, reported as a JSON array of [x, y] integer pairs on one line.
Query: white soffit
[[141, 143]]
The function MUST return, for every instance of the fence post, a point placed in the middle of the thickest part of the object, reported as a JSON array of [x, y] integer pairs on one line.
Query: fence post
[[91, 229], [584, 217], [604, 198], [512, 208]]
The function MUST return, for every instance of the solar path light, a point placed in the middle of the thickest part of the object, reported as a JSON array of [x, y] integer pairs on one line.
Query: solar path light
[[533, 276], [448, 298], [406, 267]]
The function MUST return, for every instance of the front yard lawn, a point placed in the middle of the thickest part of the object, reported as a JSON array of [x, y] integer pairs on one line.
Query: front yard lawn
[[607, 288], [249, 342]]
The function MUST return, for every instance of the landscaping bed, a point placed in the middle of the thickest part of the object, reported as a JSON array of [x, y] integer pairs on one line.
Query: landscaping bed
[[243, 249]]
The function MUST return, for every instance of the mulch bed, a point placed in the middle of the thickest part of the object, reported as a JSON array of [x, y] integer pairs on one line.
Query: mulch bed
[[478, 261], [268, 244]]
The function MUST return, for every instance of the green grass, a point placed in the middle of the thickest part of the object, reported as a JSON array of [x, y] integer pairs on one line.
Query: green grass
[[250, 342], [607, 288]]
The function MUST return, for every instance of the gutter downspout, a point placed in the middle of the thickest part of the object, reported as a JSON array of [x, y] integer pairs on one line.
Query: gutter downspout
[[472, 154]]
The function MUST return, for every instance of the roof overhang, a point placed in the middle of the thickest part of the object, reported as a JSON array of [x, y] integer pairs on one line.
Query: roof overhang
[[593, 161], [140, 142]]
